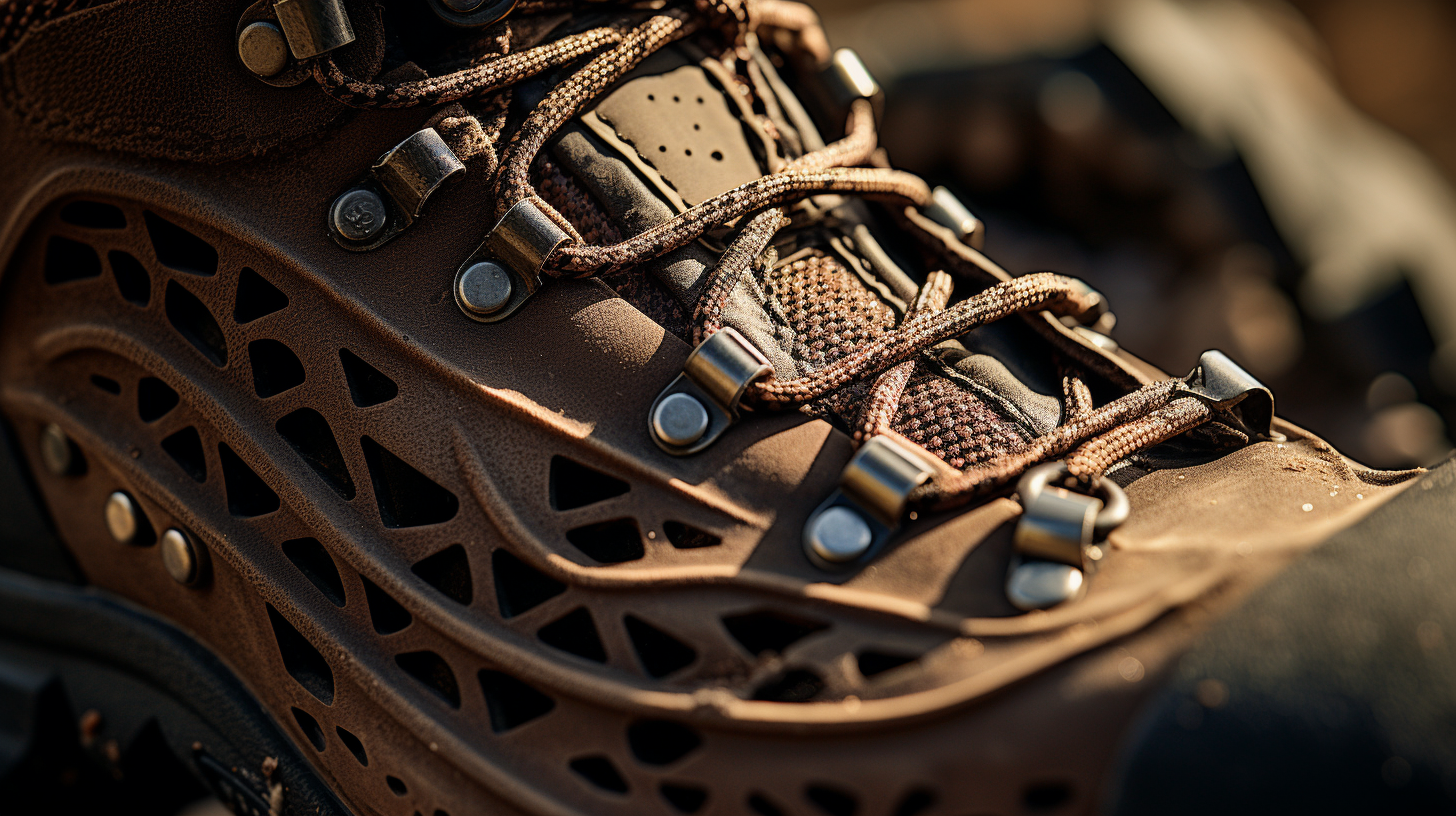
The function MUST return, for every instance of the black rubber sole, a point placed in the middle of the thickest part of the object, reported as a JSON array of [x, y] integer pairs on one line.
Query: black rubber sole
[[106, 709]]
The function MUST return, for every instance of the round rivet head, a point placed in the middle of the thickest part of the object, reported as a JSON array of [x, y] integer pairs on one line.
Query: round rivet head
[[181, 556], [263, 49], [57, 451], [121, 518], [680, 420], [838, 535], [1042, 584], [485, 288], [358, 215]]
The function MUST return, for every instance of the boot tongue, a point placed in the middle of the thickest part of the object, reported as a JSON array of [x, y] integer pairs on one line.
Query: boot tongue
[[677, 132], [674, 120]]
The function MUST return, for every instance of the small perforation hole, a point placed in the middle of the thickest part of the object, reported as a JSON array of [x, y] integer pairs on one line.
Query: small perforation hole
[[355, 746], [433, 672], [304, 663], [687, 152], [600, 771], [155, 399], [179, 249], [93, 215], [831, 800], [396, 785], [449, 572], [575, 633], [310, 728], [106, 384], [68, 260], [512, 703], [717, 155]]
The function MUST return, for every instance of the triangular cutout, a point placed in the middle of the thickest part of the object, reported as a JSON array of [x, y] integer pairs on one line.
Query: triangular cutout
[[311, 559], [600, 771], [256, 297], [310, 436], [247, 494], [873, 662], [687, 537], [448, 571], [512, 703], [406, 497], [610, 542], [575, 633], [303, 662], [185, 448], [431, 670], [385, 612], [661, 654], [769, 631], [575, 485], [661, 742], [275, 368], [367, 384], [132, 279], [155, 399], [179, 249], [196, 324], [520, 588]]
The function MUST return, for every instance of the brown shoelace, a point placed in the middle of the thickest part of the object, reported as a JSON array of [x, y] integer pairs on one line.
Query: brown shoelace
[[1096, 438]]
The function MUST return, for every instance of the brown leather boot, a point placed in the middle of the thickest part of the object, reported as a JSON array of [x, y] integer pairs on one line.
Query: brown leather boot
[[561, 407]]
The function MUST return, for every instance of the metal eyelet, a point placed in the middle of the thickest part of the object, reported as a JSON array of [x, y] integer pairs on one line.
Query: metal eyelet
[[1054, 540], [471, 13]]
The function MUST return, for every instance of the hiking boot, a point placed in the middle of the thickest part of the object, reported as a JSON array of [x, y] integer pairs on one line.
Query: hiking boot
[[464, 407]]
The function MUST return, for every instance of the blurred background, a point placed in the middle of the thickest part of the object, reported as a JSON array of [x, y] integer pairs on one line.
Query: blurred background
[[1269, 178]]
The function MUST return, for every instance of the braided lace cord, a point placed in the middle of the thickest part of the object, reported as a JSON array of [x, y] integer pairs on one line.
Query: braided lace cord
[[1097, 437]]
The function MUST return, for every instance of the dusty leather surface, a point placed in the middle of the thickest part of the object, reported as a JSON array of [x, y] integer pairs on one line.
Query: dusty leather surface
[[996, 710]]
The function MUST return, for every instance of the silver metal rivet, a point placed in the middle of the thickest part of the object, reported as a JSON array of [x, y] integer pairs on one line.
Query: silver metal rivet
[[485, 288], [57, 452], [263, 49], [838, 535], [1042, 584], [463, 6], [358, 215], [180, 556], [680, 420], [121, 517]]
